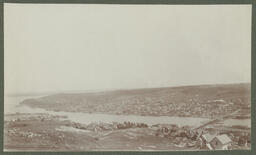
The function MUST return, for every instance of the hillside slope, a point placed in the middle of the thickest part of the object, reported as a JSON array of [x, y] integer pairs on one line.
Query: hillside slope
[[193, 101]]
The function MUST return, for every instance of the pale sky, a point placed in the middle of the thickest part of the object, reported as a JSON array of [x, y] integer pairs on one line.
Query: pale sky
[[58, 47]]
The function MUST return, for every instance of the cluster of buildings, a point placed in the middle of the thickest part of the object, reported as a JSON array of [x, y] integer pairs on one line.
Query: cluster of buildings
[[215, 142], [163, 106]]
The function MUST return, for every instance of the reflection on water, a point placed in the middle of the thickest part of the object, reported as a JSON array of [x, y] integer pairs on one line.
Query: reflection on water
[[12, 106], [86, 118], [240, 122]]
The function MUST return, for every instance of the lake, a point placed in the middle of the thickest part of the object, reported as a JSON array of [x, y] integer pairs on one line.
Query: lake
[[12, 106]]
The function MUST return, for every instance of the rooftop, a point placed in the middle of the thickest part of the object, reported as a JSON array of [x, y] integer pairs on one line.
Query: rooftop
[[208, 137], [224, 139]]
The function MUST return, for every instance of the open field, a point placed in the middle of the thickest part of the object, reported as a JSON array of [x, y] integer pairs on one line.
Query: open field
[[222, 109], [37, 132], [32, 133]]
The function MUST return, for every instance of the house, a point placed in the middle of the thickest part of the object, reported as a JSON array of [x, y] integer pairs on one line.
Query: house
[[215, 142], [221, 142], [207, 138], [205, 141]]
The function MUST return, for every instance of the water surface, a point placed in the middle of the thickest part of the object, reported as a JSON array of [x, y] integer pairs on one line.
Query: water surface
[[12, 106]]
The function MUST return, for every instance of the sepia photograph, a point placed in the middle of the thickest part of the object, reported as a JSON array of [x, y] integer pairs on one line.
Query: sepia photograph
[[111, 77]]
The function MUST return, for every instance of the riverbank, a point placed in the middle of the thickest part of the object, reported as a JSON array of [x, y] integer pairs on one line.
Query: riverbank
[[145, 119], [37, 132], [44, 132]]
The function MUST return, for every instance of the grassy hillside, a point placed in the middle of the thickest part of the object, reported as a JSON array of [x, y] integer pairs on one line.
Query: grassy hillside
[[193, 101]]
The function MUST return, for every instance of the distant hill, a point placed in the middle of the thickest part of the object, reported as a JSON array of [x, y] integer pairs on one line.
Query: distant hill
[[193, 101]]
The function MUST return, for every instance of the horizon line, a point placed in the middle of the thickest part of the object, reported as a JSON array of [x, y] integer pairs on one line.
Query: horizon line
[[114, 89]]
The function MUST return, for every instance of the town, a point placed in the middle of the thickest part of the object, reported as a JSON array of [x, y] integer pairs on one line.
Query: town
[[208, 117]]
